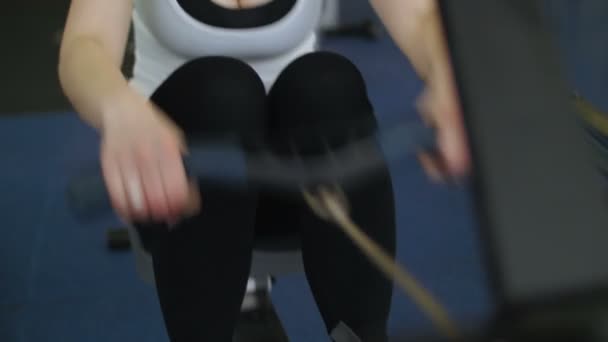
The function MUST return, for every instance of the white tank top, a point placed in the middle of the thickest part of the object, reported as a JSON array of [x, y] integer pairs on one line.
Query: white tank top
[[166, 37]]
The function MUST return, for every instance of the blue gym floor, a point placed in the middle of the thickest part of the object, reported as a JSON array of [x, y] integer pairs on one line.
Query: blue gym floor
[[58, 282]]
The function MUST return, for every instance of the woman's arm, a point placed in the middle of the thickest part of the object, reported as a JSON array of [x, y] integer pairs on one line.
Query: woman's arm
[[413, 26], [141, 149], [416, 28], [91, 55]]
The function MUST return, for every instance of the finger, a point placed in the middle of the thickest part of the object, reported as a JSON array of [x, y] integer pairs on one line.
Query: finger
[[452, 140], [455, 150], [432, 167], [113, 179], [194, 199], [133, 188], [440, 108], [153, 189], [174, 181], [430, 162]]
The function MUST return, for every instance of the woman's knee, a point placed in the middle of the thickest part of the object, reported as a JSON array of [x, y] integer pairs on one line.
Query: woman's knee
[[320, 95], [324, 85], [214, 95]]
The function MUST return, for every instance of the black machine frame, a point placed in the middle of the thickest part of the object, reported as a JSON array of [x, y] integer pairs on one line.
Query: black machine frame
[[540, 202]]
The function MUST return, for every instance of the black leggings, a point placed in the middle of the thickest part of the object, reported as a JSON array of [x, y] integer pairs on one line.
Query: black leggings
[[202, 267]]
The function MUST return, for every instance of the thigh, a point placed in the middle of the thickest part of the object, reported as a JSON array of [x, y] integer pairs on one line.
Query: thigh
[[319, 100]]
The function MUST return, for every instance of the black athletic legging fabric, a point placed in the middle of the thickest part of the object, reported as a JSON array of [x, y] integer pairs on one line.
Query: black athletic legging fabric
[[202, 266]]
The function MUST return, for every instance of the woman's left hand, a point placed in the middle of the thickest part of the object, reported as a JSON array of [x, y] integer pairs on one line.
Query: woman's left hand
[[440, 108]]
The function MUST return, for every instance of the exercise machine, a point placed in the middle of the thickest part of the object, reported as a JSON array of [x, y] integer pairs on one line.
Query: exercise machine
[[540, 201]]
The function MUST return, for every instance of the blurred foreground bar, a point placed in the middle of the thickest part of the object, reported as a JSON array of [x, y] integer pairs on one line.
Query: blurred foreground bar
[[541, 204]]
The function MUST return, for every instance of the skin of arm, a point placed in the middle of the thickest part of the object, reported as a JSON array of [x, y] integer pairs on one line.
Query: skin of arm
[[91, 56], [416, 28], [141, 148], [411, 23]]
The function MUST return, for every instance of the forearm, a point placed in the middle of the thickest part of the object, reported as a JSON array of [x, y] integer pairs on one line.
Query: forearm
[[91, 78], [415, 26]]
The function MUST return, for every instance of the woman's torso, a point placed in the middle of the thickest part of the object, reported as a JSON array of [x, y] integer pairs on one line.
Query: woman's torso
[[268, 36]]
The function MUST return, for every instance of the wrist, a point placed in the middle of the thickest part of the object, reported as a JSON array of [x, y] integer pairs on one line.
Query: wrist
[[115, 104], [428, 48]]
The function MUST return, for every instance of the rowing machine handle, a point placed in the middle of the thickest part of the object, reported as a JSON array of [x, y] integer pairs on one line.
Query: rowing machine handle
[[228, 165], [88, 197]]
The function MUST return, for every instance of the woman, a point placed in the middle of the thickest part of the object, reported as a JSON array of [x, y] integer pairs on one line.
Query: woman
[[209, 68]]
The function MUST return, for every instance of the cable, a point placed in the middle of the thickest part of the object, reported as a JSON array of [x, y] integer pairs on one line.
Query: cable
[[591, 115], [332, 206]]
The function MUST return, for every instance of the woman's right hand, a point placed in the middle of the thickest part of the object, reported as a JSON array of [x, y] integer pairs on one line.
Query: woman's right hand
[[141, 158]]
